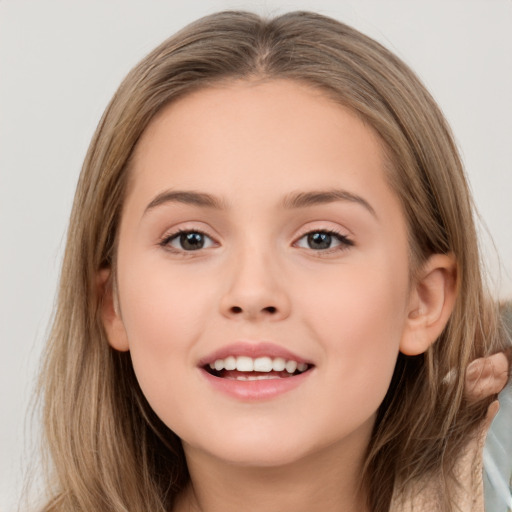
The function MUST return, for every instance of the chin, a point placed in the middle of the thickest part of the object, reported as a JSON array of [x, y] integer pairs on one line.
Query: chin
[[263, 448], [265, 456]]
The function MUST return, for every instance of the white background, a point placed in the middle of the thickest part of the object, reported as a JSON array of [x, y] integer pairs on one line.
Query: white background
[[61, 61]]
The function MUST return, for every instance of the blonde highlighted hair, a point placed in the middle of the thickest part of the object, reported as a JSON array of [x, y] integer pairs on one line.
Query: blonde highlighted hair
[[107, 450]]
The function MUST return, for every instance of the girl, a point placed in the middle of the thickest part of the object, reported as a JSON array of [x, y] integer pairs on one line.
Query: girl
[[271, 288]]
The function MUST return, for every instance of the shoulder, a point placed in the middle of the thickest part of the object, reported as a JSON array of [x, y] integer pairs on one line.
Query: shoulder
[[498, 457], [466, 494]]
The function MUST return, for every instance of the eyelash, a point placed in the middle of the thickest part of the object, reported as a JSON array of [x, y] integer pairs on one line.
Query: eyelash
[[344, 241], [167, 239]]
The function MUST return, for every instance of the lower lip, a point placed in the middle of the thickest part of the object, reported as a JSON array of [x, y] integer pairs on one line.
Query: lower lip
[[253, 390]]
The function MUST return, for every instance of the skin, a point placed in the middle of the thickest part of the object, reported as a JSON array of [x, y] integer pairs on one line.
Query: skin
[[348, 309], [486, 376]]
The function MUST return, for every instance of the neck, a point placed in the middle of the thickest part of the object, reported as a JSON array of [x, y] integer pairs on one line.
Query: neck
[[326, 481]]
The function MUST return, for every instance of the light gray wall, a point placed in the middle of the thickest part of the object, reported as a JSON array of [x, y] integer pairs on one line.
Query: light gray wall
[[60, 62]]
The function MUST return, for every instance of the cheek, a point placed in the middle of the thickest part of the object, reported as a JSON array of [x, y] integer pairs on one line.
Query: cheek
[[164, 316], [163, 301], [358, 299], [360, 323]]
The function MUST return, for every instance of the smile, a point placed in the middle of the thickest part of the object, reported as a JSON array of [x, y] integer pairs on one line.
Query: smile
[[246, 368], [254, 372]]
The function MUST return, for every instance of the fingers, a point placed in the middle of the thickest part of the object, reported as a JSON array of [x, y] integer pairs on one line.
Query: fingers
[[486, 376]]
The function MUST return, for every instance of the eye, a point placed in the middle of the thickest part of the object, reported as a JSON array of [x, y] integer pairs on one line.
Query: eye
[[323, 240], [188, 241]]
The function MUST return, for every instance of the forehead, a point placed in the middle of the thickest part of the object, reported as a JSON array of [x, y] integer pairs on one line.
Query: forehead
[[235, 131], [252, 144]]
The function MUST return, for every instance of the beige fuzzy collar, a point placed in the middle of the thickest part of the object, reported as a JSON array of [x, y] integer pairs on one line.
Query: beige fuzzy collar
[[468, 495]]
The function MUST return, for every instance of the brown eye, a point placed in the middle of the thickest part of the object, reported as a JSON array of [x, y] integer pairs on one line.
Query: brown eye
[[319, 241], [189, 241], [323, 240]]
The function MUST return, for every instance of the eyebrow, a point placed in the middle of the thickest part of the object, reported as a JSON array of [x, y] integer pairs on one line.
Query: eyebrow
[[304, 199], [185, 197], [292, 201]]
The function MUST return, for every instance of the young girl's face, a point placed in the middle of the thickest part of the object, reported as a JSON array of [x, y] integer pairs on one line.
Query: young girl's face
[[259, 230]]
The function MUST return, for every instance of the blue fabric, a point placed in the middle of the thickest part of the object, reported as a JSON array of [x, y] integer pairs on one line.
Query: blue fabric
[[498, 458]]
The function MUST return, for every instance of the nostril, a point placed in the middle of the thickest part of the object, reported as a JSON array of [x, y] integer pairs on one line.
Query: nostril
[[237, 310]]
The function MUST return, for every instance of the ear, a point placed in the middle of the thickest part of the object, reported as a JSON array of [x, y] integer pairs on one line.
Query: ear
[[430, 305], [110, 312]]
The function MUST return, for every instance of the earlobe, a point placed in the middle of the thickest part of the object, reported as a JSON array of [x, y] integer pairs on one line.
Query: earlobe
[[431, 303], [110, 313]]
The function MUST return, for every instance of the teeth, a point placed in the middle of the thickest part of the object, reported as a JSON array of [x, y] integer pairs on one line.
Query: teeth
[[260, 364], [263, 364], [278, 364], [244, 364], [230, 363], [254, 377], [291, 366]]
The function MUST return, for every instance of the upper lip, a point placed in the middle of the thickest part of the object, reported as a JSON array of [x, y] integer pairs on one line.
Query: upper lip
[[251, 349]]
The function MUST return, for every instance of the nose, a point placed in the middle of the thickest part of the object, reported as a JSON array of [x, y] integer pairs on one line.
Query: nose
[[255, 288]]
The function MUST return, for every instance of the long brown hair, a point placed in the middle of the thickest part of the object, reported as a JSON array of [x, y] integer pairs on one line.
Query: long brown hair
[[106, 447]]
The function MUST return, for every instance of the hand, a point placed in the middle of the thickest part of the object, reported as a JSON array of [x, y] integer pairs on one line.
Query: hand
[[486, 376]]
